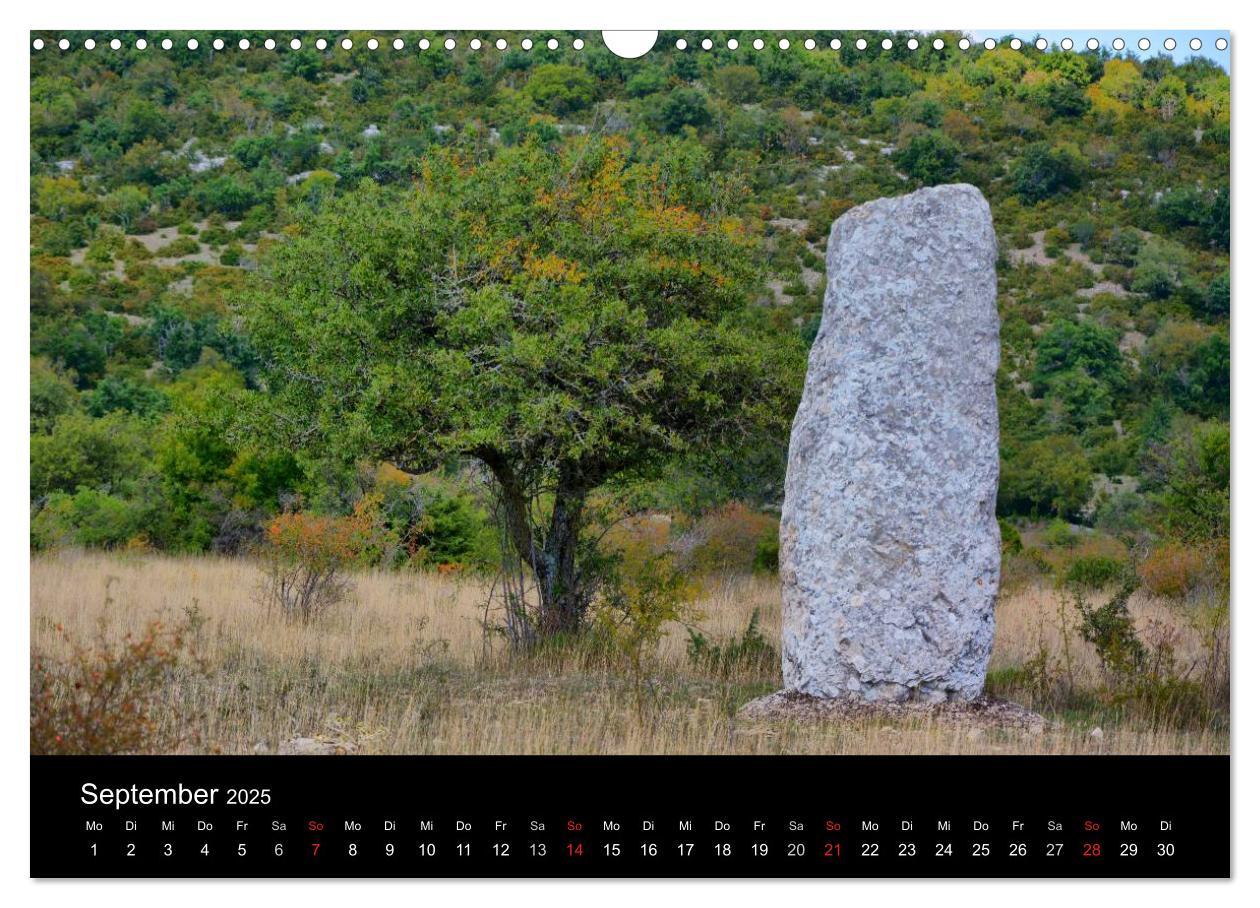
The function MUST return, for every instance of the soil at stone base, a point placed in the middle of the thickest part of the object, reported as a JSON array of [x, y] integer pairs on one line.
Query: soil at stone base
[[983, 712]]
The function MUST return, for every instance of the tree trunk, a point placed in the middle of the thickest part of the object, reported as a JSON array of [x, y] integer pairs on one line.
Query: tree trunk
[[552, 556], [562, 597]]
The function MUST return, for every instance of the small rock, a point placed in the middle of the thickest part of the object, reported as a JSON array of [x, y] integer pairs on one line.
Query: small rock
[[316, 747], [1096, 734]]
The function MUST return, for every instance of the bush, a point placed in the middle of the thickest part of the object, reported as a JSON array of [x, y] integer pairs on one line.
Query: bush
[[766, 559], [930, 158], [561, 89], [1173, 570], [306, 556], [1044, 170], [102, 453], [1094, 572], [681, 107], [1044, 477], [181, 246], [750, 651], [102, 699], [1012, 544], [1109, 629], [726, 539], [1059, 534], [88, 518]]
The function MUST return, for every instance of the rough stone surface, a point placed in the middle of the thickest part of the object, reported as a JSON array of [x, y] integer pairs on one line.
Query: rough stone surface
[[889, 547]]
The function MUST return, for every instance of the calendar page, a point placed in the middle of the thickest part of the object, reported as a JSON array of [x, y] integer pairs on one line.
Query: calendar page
[[542, 453]]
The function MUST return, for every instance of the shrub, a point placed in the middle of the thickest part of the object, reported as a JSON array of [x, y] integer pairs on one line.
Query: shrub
[[646, 595], [1047, 476], [1173, 570], [102, 699], [1012, 544], [1056, 239], [87, 518], [101, 453], [1045, 170], [1109, 629], [1093, 572], [1059, 534], [181, 246], [681, 107], [750, 651], [561, 89], [306, 556], [766, 558], [930, 158], [725, 539]]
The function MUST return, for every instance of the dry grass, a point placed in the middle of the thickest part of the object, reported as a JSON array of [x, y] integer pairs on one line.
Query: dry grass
[[406, 668]]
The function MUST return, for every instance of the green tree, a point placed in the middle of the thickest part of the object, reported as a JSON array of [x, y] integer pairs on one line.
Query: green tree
[[1085, 346], [52, 394], [681, 107], [1050, 476], [125, 205], [81, 451], [560, 317], [930, 158], [561, 89], [1044, 170], [1195, 502]]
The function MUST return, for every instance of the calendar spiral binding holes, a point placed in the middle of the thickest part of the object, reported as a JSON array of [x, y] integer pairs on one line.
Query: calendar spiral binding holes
[[706, 43]]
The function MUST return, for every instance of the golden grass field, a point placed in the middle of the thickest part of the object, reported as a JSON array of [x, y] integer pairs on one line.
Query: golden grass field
[[406, 668]]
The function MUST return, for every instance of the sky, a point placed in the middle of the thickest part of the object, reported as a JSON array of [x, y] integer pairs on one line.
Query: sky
[[1157, 36]]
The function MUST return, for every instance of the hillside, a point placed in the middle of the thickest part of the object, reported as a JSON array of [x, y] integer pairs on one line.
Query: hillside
[[160, 179]]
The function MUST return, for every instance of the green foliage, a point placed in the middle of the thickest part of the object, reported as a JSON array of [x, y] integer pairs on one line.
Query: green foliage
[[1045, 170], [561, 89], [1110, 630], [680, 108], [115, 393], [1094, 572], [1195, 500], [1127, 157], [52, 395], [567, 319], [930, 158], [750, 652], [89, 518], [1059, 534], [79, 451], [1012, 542], [1049, 476], [766, 558]]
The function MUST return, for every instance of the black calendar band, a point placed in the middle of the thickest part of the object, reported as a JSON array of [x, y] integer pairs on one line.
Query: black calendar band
[[618, 816]]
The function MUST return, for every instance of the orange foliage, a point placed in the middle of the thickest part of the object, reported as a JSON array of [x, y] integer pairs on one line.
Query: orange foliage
[[1173, 570], [102, 699]]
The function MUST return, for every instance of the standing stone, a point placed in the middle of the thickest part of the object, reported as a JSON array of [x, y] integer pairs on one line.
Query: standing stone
[[890, 550]]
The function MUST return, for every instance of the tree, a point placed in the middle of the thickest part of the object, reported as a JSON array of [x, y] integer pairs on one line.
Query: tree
[[569, 318], [125, 205], [930, 158], [681, 107], [561, 89], [1085, 346], [1050, 476], [1044, 170]]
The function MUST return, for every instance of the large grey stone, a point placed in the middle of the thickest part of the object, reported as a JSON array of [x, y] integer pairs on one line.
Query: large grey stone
[[890, 550]]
